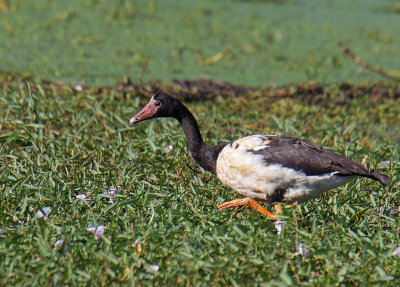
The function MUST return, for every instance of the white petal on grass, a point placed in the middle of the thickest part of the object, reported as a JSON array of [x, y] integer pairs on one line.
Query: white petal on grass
[[396, 252], [384, 164], [98, 231], [59, 242], [301, 250], [154, 268], [388, 209], [82, 196], [391, 210], [46, 210], [279, 225], [111, 192], [91, 229], [44, 213], [169, 148]]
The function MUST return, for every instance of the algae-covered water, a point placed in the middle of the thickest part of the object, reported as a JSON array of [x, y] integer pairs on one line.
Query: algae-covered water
[[245, 42]]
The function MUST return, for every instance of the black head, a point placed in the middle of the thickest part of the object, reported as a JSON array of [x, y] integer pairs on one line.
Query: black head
[[160, 105]]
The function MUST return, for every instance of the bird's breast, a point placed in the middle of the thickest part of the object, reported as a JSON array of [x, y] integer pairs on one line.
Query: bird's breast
[[248, 173]]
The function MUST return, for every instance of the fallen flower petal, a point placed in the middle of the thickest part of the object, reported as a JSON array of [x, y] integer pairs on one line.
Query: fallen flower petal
[[39, 214], [387, 209], [396, 252], [154, 268], [111, 192], [82, 196], [384, 164], [99, 231], [279, 225], [393, 211], [91, 229], [169, 148], [302, 250], [59, 242], [46, 211]]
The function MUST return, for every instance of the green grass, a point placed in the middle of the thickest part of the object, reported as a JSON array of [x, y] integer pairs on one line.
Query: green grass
[[256, 43], [162, 227], [56, 145]]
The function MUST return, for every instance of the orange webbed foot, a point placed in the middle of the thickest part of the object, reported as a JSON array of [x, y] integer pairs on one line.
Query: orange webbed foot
[[251, 204]]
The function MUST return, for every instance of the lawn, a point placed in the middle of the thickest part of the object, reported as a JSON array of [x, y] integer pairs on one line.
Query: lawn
[[161, 225], [86, 199]]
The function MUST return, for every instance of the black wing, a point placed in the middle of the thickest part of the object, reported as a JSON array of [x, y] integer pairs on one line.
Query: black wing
[[312, 159]]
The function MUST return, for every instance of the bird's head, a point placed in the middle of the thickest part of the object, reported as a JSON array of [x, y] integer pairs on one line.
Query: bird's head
[[160, 106]]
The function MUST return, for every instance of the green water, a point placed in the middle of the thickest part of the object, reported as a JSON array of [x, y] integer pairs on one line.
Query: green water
[[261, 43]]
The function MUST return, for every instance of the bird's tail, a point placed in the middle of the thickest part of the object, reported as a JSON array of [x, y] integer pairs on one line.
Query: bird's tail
[[382, 178]]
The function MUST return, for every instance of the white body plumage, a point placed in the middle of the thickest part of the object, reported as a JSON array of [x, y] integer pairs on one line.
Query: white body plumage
[[249, 174]]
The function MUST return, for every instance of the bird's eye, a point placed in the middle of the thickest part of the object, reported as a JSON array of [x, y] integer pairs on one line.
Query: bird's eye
[[157, 104]]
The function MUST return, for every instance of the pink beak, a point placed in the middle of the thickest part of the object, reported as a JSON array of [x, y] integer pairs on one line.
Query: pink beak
[[146, 113]]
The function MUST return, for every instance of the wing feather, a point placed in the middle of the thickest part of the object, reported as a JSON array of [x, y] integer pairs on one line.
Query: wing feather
[[308, 157]]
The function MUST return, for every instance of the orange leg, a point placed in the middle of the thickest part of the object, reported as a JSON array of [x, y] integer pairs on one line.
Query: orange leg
[[251, 204]]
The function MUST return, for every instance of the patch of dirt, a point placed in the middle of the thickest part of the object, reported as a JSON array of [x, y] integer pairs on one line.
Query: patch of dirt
[[205, 89]]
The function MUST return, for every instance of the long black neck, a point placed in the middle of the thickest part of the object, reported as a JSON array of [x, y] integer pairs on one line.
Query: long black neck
[[206, 156]]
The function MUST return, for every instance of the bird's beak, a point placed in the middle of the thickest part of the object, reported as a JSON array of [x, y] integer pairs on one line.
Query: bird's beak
[[146, 113]]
